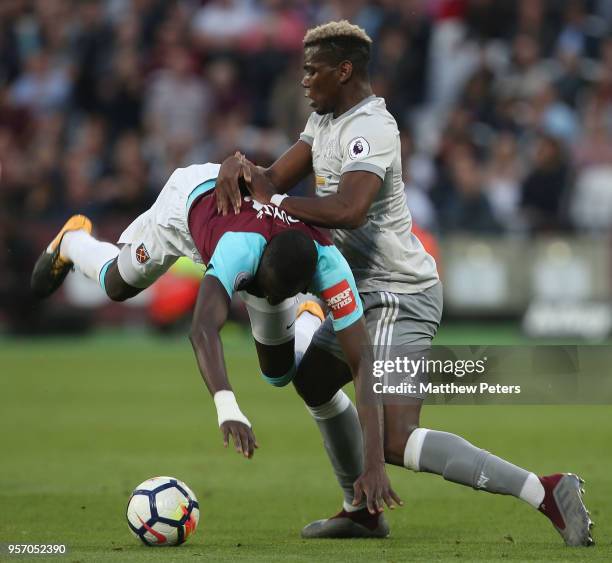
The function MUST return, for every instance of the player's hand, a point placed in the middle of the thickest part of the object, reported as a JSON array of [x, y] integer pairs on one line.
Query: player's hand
[[227, 189], [374, 486], [261, 190], [242, 436]]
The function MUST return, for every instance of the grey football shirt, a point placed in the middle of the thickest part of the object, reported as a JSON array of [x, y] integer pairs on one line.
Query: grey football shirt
[[384, 254]]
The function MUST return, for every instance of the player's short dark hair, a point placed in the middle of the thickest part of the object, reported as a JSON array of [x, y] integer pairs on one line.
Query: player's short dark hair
[[341, 41], [289, 262]]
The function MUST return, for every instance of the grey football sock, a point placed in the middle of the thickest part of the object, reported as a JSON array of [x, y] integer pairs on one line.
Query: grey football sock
[[339, 425], [459, 461]]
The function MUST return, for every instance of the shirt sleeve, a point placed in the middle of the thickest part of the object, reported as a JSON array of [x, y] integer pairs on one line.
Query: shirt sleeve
[[309, 131], [370, 143], [236, 259], [334, 283]]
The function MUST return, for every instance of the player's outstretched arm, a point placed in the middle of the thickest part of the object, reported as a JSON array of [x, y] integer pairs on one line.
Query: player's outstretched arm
[[374, 483], [294, 165], [347, 209], [210, 314]]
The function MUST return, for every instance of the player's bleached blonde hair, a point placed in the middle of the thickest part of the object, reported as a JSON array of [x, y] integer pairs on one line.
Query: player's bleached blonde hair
[[336, 30], [341, 41]]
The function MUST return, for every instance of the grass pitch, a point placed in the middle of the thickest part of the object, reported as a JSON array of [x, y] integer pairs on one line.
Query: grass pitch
[[84, 421]]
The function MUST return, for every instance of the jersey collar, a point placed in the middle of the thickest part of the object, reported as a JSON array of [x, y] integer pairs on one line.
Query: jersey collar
[[354, 108]]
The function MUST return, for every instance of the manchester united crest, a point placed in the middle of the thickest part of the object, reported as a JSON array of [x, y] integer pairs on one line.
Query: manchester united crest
[[141, 254]]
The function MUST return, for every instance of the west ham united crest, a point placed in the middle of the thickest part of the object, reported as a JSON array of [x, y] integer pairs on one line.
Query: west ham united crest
[[141, 254]]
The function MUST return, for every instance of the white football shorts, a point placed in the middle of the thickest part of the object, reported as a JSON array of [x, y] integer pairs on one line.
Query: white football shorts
[[158, 237]]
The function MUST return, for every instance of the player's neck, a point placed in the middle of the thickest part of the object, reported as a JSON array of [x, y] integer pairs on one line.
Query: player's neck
[[352, 98]]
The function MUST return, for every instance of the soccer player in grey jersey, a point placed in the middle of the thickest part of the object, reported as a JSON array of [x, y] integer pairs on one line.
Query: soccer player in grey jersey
[[351, 143]]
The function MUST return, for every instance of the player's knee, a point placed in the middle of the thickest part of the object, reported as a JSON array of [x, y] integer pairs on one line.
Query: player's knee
[[115, 287], [301, 384], [307, 388], [319, 376], [116, 294]]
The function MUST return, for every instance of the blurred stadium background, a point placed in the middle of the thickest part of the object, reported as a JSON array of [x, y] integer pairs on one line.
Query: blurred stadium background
[[504, 107]]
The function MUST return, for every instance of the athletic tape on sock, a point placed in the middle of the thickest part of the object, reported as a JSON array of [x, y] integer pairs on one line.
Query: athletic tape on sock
[[532, 491], [348, 507], [414, 445], [335, 406]]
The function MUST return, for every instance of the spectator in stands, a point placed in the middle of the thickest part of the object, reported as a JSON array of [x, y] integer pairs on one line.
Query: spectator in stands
[[121, 93], [398, 70], [581, 29], [533, 20], [43, 87], [478, 96], [553, 115], [177, 104], [219, 25], [594, 147], [545, 186], [572, 73], [126, 188], [503, 176], [469, 210], [527, 71], [288, 107], [419, 176]]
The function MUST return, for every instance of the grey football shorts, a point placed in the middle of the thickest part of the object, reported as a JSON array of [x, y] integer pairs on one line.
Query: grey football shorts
[[392, 319], [396, 322]]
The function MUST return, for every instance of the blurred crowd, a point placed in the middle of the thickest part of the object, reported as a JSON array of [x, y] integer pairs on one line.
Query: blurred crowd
[[504, 106]]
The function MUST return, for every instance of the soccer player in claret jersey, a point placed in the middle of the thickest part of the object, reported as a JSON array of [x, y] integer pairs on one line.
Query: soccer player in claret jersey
[[264, 254], [351, 143]]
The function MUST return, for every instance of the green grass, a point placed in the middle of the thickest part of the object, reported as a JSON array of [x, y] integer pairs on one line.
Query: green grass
[[83, 421]]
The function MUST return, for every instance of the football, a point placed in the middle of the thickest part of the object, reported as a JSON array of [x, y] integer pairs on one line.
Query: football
[[162, 511]]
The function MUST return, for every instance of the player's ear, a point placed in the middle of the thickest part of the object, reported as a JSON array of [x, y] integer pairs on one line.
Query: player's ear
[[345, 69]]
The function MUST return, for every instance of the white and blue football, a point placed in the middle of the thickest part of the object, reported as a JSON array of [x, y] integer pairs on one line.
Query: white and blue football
[[163, 511]]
